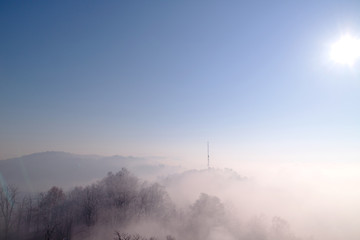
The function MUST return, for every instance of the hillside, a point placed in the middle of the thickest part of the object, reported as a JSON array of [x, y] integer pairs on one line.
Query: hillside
[[40, 171]]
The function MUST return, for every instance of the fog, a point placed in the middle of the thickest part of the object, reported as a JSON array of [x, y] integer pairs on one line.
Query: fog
[[318, 199], [252, 200]]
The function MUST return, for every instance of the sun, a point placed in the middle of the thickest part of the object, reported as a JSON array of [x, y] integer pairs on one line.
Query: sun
[[346, 50]]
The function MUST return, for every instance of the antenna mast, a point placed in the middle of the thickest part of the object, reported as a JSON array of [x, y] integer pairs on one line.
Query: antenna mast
[[208, 152]]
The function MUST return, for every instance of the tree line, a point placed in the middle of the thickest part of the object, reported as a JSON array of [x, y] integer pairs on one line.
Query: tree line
[[111, 206]]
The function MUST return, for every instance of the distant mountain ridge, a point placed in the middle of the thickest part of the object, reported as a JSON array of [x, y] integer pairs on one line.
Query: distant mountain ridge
[[40, 171]]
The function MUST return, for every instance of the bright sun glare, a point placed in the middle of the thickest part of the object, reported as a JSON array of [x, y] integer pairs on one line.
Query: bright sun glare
[[346, 50]]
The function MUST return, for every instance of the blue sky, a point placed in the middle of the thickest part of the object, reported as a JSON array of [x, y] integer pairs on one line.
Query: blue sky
[[160, 78]]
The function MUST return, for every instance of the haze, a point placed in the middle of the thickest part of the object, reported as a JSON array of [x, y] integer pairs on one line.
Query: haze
[[161, 79], [92, 87]]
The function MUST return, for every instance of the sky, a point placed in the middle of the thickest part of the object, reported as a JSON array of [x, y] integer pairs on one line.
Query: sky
[[161, 78]]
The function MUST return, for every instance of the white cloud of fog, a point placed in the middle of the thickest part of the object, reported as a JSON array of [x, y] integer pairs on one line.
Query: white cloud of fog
[[318, 199]]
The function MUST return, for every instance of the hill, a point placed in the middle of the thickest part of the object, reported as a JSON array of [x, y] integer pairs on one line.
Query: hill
[[40, 171]]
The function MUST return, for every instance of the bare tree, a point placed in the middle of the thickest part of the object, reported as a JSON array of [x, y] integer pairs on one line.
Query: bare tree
[[90, 205], [206, 213], [8, 196], [28, 218], [126, 236], [122, 236], [51, 211]]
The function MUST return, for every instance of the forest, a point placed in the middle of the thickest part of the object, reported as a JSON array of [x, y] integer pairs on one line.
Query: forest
[[123, 207]]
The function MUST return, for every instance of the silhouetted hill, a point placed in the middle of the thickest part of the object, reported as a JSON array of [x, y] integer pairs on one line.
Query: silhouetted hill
[[40, 171]]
